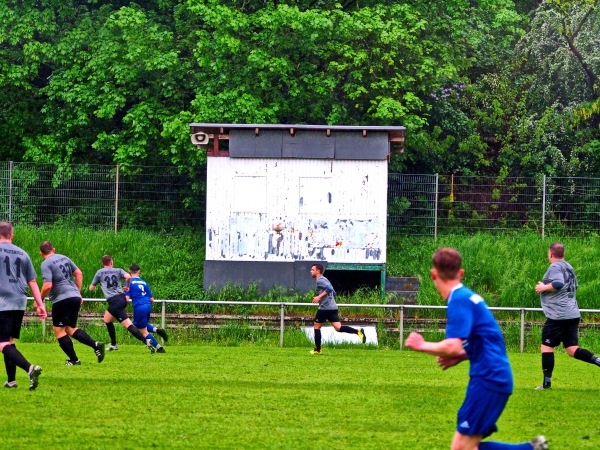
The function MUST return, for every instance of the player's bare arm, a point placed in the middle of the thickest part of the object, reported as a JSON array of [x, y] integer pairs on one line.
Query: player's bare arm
[[448, 348]]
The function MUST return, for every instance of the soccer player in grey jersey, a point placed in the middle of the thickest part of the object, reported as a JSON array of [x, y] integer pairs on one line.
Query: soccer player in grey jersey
[[328, 309], [62, 285], [16, 274], [557, 291], [110, 278]]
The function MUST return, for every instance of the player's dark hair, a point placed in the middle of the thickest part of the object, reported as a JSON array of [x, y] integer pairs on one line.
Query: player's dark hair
[[319, 267], [134, 268], [557, 250], [106, 259], [447, 261], [46, 247], [6, 230]]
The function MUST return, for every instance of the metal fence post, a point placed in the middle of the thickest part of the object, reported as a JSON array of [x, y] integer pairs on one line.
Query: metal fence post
[[543, 206], [281, 323], [116, 198], [163, 313], [401, 326], [522, 343], [10, 188], [435, 207]]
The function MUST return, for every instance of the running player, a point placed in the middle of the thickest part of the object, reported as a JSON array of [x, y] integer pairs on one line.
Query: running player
[[472, 333], [142, 299], [328, 309], [62, 285], [558, 296], [16, 274], [110, 282]]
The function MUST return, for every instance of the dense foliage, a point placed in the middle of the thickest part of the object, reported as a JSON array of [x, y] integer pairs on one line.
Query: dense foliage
[[494, 87]]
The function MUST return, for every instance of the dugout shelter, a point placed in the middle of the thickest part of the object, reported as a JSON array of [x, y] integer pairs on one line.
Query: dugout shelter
[[281, 198]]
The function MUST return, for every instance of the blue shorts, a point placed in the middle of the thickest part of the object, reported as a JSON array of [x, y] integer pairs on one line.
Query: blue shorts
[[141, 315], [481, 410]]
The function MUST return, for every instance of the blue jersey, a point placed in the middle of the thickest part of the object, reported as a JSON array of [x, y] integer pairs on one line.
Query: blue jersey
[[470, 319], [139, 292]]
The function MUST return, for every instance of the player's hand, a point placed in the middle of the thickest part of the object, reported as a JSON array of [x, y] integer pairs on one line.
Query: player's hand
[[41, 312], [125, 288], [446, 362], [81, 301], [540, 287], [316, 299], [414, 341]]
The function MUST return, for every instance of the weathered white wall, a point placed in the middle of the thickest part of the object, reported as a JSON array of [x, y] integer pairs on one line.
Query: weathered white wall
[[334, 210]]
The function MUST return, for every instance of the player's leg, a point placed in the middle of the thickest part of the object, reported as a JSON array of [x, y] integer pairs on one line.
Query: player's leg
[[6, 340], [477, 418], [81, 336], [551, 337], [62, 312], [11, 372], [334, 318], [320, 319], [160, 331], [141, 315], [10, 329], [110, 327], [77, 333], [571, 343]]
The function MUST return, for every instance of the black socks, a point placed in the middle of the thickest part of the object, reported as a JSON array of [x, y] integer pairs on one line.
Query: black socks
[[66, 344], [137, 333], [547, 368], [318, 339], [111, 332], [84, 338]]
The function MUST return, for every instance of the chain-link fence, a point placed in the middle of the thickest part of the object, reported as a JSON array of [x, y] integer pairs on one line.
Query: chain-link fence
[[101, 197], [436, 204], [105, 197]]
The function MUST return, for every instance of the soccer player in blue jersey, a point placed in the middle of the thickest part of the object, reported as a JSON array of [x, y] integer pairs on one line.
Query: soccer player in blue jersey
[[141, 296], [472, 333], [109, 278]]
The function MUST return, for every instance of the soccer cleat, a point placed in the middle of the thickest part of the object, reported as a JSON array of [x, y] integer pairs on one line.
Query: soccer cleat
[[100, 351], [10, 385], [111, 348], [541, 387], [539, 443], [150, 346], [162, 333], [34, 375], [315, 352], [161, 350], [361, 335], [71, 362]]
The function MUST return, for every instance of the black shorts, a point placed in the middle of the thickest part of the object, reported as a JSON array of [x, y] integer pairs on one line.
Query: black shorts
[[65, 312], [557, 331], [327, 314], [116, 307], [10, 325]]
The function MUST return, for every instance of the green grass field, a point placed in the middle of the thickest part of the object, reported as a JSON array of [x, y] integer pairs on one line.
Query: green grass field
[[261, 397]]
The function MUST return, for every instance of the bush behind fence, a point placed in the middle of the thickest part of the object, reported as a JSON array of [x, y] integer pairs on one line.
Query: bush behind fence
[[106, 197]]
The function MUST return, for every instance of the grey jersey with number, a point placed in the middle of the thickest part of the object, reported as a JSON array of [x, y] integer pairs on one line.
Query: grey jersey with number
[[16, 271], [327, 302], [561, 304], [110, 281], [58, 270]]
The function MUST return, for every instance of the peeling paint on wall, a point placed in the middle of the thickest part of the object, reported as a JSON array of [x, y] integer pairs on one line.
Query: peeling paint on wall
[[325, 205]]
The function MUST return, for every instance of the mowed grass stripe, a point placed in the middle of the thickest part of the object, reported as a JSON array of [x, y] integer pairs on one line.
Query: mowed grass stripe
[[268, 397]]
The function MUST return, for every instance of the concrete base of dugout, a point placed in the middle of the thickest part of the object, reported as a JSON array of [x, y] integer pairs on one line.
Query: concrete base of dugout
[[292, 275]]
